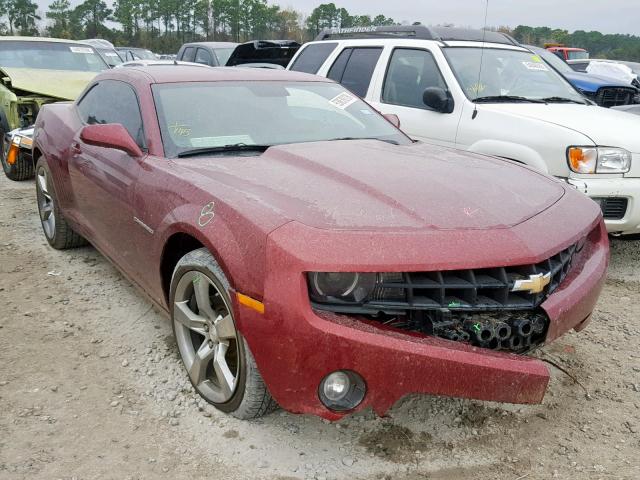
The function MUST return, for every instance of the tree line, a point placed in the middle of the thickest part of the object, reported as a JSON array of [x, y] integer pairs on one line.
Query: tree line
[[164, 25], [599, 45]]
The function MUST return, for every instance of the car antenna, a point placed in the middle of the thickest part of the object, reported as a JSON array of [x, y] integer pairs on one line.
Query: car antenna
[[484, 33]]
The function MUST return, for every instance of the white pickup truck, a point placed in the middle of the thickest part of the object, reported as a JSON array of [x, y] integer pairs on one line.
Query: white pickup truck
[[513, 106]]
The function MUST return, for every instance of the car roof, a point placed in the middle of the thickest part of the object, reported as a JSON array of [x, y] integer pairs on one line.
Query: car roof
[[159, 62], [417, 32], [187, 73], [132, 48], [409, 41], [42, 39], [211, 44]]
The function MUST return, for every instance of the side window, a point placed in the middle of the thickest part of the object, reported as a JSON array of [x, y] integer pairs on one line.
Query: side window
[[111, 101], [312, 57], [354, 68], [189, 54], [204, 57], [410, 72]]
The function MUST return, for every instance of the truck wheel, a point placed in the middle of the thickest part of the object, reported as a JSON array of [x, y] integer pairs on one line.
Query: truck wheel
[[56, 229], [21, 169], [217, 358]]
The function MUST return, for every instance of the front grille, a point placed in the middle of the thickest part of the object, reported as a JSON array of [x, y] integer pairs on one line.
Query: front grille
[[613, 208], [477, 306], [614, 96], [484, 289]]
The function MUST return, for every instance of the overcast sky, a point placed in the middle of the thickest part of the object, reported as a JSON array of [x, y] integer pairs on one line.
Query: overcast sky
[[607, 16]]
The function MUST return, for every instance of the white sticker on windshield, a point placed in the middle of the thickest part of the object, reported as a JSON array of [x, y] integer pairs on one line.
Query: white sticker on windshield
[[111, 54], [81, 49], [206, 142], [541, 67], [343, 100]]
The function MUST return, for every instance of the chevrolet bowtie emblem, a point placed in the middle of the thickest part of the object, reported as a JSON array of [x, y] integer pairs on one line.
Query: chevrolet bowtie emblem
[[534, 284]]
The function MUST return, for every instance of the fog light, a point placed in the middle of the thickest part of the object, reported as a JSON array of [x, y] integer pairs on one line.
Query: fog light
[[342, 390]]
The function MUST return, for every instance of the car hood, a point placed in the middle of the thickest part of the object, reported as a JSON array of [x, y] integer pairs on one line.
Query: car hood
[[368, 184], [591, 83], [604, 126], [62, 84]]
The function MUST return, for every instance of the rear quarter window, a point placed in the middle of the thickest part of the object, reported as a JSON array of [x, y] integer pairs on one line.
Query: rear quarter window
[[312, 57], [354, 68], [189, 54]]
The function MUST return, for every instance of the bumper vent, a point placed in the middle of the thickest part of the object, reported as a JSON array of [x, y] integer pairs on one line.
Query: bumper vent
[[613, 208], [476, 290], [612, 97]]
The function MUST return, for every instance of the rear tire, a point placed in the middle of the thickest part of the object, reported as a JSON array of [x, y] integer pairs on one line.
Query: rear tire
[[219, 363], [56, 230], [22, 169]]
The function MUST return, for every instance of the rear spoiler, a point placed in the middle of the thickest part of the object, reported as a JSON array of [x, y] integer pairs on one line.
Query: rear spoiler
[[278, 52]]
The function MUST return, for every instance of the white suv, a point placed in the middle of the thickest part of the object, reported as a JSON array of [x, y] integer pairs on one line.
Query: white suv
[[515, 106]]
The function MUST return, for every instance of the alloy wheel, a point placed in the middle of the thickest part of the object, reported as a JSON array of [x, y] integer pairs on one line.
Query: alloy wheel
[[206, 336], [45, 203]]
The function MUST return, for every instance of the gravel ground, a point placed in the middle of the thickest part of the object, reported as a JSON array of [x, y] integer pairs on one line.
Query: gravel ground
[[91, 387]]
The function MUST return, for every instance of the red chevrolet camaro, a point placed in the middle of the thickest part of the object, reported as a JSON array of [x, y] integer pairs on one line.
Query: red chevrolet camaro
[[308, 252]]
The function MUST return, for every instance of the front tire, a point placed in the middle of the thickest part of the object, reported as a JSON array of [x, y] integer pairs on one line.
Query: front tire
[[215, 354], [21, 169], [56, 230]]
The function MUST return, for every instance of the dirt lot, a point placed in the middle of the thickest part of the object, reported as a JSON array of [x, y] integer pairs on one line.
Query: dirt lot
[[91, 388]]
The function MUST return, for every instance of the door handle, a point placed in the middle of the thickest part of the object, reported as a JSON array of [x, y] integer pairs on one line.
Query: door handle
[[75, 148]]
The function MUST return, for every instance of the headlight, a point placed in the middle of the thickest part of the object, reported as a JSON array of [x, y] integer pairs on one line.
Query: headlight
[[599, 159], [342, 286]]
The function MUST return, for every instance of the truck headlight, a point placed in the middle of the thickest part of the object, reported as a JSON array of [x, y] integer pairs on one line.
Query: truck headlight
[[598, 159], [341, 286]]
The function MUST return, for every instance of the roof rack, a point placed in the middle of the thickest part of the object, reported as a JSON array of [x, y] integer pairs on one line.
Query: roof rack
[[417, 32]]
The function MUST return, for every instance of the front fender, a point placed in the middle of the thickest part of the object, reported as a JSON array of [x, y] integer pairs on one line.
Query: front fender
[[511, 151], [8, 109], [239, 249]]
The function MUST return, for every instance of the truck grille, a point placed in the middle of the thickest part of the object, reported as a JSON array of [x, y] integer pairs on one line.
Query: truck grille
[[486, 289], [614, 96], [613, 208]]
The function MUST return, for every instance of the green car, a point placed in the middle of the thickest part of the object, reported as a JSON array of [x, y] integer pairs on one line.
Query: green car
[[35, 71]]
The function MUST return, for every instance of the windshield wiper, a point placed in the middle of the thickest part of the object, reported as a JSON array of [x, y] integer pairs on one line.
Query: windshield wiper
[[236, 147], [392, 142], [563, 100], [506, 99]]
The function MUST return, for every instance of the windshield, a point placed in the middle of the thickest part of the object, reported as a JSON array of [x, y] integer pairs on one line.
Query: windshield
[[144, 54], [552, 59], [577, 55], [513, 73], [110, 56], [50, 56], [217, 114], [223, 54]]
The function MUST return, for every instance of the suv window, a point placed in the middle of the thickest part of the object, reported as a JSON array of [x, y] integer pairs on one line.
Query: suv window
[[312, 57], [354, 68], [204, 57], [112, 101], [410, 72], [189, 54]]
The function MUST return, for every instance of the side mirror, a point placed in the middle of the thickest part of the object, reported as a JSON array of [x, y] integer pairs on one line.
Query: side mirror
[[393, 119], [110, 135], [438, 99]]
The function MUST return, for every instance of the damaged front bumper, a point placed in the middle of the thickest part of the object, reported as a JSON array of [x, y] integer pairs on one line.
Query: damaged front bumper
[[17, 146], [296, 346]]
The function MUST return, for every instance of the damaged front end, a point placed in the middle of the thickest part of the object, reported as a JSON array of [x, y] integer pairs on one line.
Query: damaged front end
[[17, 117], [496, 308], [16, 154]]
